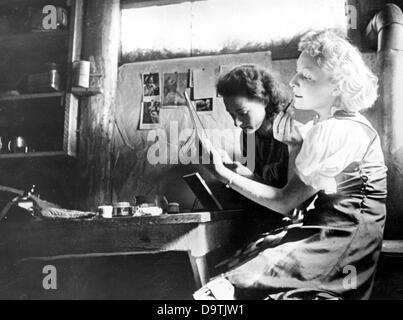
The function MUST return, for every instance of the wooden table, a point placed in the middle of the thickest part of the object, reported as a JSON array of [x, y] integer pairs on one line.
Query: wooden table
[[197, 233]]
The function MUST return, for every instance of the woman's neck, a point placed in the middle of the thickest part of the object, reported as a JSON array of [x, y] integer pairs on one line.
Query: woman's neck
[[325, 113], [265, 128]]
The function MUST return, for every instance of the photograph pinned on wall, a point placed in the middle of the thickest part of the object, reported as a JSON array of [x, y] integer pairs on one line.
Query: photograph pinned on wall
[[175, 84], [223, 70], [150, 114], [151, 84], [203, 83], [204, 105]]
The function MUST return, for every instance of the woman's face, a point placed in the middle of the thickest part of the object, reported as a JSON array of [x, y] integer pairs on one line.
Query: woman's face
[[247, 113], [311, 85]]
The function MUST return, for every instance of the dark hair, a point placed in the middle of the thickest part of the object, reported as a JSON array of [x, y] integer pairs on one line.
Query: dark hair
[[255, 82]]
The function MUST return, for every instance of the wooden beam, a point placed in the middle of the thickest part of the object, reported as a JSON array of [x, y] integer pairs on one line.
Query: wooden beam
[[100, 46]]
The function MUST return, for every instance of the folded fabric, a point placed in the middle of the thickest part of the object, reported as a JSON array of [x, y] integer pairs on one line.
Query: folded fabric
[[58, 213]]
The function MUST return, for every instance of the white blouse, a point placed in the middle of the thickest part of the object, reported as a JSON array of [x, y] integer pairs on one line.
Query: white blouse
[[328, 148]]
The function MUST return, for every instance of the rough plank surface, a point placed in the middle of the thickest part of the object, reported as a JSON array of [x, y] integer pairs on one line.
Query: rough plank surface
[[113, 236]]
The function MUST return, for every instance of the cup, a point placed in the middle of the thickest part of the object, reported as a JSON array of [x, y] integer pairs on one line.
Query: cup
[[18, 145], [105, 212]]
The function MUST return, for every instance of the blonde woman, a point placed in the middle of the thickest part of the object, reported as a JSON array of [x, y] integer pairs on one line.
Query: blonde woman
[[333, 254]]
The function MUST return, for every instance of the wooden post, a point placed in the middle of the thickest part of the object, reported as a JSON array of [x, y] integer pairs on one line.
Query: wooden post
[[387, 24], [101, 43]]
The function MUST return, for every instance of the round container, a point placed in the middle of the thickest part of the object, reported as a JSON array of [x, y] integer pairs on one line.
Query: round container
[[122, 209], [173, 207], [81, 74]]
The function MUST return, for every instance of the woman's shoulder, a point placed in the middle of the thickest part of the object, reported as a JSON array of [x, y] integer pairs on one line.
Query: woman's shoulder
[[355, 127]]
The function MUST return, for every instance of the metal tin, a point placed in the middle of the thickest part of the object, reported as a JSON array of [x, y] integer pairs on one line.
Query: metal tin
[[122, 209], [81, 73], [173, 207]]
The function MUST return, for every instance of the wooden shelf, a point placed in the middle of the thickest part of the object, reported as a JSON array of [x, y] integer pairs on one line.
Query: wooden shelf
[[81, 92], [85, 92], [48, 124], [43, 39], [37, 35], [26, 53], [32, 96], [32, 155]]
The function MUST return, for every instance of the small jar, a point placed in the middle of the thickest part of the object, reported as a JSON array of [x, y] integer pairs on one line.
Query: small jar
[[173, 207], [105, 212]]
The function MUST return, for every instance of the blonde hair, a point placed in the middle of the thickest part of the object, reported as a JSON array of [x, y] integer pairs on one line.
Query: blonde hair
[[357, 85]]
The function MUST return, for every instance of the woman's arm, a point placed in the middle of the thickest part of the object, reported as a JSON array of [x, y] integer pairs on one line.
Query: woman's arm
[[280, 200], [292, 155], [285, 130], [243, 171]]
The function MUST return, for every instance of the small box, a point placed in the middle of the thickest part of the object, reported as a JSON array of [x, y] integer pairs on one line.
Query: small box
[[105, 212]]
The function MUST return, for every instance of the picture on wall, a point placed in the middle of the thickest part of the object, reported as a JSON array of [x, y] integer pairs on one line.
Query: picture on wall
[[151, 84], [175, 85], [150, 114], [204, 105]]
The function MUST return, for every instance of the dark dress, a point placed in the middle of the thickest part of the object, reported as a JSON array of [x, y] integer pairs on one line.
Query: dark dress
[[271, 165], [334, 252], [271, 160]]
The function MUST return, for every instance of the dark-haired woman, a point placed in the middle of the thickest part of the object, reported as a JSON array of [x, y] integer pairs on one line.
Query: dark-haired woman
[[253, 97]]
